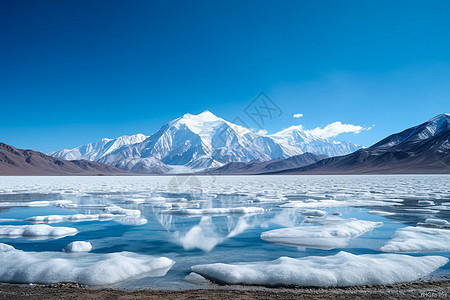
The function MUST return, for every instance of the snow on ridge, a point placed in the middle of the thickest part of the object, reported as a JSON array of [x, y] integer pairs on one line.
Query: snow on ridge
[[342, 269]]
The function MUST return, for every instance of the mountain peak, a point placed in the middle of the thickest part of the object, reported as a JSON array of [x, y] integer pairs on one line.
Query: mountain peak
[[205, 116]]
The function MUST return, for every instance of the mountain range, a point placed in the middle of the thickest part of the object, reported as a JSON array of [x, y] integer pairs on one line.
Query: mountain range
[[207, 144], [198, 142], [420, 149]]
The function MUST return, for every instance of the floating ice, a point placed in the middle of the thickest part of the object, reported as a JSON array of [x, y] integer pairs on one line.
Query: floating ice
[[217, 211], [425, 202], [78, 246], [84, 268], [342, 269], [333, 234], [117, 210], [311, 203], [25, 204], [381, 213], [436, 222], [69, 218], [313, 213], [131, 220], [36, 231], [418, 239]]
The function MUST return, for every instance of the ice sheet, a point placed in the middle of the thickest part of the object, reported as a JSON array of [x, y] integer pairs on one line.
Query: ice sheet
[[330, 235], [342, 269], [84, 268], [418, 239]]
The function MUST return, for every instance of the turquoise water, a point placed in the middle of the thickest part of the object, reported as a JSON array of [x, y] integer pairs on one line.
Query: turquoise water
[[226, 238]]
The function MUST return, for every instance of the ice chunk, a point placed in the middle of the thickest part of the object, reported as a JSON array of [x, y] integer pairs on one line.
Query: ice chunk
[[435, 223], [196, 278], [333, 234], [84, 268], [36, 231], [342, 269], [78, 246], [381, 213], [69, 218], [117, 210], [425, 202], [6, 247], [25, 204], [217, 211], [313, 213], [311, 203], [418, 239]]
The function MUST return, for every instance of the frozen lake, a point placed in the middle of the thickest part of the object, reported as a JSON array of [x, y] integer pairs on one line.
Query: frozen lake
[[173, 224]]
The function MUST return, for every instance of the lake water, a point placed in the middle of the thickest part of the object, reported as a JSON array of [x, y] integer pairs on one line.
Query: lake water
[[176, 220]]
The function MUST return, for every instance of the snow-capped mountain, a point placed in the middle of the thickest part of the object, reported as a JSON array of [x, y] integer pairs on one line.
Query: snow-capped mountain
[[202, 141], [307, 142], [433, 127], [194, 142], [95, 151]]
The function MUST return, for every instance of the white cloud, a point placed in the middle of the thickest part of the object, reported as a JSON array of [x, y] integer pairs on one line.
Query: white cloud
[[335, 129], [297, 116]]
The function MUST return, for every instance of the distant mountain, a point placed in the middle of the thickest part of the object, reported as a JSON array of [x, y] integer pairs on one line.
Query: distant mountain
[[307, 142], [97, 150], [196, 142], [258, 167], [15, 161], [421, 149]]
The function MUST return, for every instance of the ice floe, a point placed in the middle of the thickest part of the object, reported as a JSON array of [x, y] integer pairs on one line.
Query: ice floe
[[435, 222], [330, 235], [313, 213], [69, 218], [84, 268], [40, 231], [117, 210], [342, 269], [418, 239], [216, 211], [381, 213], [311, 203], [78, 246]]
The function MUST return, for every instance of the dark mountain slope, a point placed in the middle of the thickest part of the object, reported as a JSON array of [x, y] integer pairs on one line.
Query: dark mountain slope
[[15, 161], [257, 167]]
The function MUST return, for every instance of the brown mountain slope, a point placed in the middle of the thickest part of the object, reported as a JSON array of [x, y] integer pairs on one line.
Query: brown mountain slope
[[15, 161]]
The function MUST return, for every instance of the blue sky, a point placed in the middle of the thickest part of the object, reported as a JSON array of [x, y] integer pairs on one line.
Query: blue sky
[[72, 72]]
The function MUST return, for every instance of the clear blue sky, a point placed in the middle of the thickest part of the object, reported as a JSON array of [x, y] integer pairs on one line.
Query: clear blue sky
[[72, 72]]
